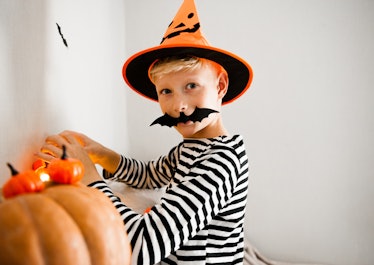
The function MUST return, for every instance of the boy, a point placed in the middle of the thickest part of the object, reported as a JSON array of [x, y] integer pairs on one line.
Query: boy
[[200, 217]]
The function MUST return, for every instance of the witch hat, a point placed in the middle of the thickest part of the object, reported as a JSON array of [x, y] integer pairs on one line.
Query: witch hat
[[184, 37]]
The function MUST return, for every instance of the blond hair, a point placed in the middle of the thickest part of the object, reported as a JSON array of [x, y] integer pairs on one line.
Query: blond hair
[[175, 64]]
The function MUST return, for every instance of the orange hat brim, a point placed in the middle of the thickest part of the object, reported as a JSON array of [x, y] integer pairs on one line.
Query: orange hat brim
[[135, 69]]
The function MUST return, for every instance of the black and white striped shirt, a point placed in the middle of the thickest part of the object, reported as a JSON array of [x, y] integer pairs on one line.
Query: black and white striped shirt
[[200, 218]]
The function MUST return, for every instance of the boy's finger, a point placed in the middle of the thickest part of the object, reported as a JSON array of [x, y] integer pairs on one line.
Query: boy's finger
[[51, 150], [47, 157], [72, 139], [56, 140]]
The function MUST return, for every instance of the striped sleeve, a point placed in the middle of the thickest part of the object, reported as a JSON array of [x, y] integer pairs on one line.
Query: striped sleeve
[[144, 175]]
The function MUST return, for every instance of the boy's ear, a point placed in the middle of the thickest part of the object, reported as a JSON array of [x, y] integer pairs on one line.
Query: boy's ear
[[223, 83]]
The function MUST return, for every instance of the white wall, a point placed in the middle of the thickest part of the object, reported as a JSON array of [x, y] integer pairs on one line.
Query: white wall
[[46, 88], [307, 119]]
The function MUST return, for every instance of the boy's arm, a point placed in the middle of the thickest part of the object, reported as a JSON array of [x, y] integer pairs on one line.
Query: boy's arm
[[108, 159], [145, 175]]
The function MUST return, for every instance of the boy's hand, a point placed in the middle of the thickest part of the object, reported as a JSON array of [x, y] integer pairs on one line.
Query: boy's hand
[[99, 154], [81, 147], [52, 149]]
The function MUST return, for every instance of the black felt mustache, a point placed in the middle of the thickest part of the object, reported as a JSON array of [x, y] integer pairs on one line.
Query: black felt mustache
[[198, 115]]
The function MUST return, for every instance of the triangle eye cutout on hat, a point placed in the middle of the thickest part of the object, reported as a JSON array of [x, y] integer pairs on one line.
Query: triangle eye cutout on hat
[[183, 37]]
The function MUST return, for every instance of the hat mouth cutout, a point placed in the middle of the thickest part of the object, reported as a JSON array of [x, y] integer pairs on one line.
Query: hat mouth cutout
[[183, 37], [136, 68]]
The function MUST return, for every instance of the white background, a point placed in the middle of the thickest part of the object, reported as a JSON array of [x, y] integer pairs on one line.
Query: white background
[[307, 118]]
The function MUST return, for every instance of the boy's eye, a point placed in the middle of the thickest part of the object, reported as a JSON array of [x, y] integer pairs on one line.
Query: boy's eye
[[191, 85], [165, 91]]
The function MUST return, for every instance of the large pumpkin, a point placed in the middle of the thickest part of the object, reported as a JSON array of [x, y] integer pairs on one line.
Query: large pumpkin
[[64, 224]]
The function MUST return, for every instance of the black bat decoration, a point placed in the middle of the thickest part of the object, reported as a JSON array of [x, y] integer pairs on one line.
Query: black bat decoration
[[62, 36], [197, 116]]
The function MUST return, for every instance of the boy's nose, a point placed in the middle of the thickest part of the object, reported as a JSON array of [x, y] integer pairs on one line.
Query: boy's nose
[[180, 104]]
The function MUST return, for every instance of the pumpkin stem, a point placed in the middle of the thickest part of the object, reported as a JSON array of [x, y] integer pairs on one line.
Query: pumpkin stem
[[64, 155], [12, 170]]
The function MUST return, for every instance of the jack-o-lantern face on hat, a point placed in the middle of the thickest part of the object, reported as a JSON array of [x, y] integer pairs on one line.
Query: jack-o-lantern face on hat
[[189, 24], [185, 27]]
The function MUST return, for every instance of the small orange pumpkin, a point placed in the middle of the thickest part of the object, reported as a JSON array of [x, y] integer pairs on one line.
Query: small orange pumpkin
[[38, 164], [64, 224], [65, 170], [20, 183]]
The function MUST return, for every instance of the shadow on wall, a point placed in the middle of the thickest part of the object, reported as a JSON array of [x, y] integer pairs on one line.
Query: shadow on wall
[[22, 48]]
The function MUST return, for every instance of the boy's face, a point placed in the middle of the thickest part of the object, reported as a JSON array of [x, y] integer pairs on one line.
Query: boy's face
[[184, 91]]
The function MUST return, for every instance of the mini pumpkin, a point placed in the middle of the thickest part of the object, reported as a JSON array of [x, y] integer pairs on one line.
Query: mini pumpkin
[[65, 170], [20, 183], [64, 224]]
